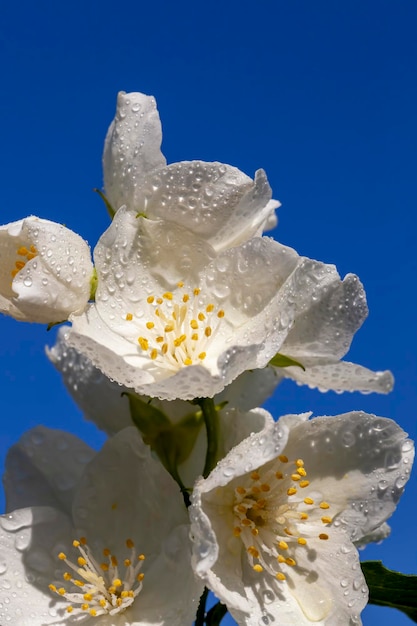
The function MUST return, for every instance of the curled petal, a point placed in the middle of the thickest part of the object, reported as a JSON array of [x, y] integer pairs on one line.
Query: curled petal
[[132, 148], [46, 271]]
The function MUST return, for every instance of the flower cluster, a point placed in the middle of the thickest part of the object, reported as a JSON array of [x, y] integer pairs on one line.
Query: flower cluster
[[186, 323]]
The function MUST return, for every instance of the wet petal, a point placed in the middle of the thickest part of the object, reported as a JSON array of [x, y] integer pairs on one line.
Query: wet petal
[[131, 149]]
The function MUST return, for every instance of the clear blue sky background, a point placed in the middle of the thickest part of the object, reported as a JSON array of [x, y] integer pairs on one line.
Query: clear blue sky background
[[320, 94]]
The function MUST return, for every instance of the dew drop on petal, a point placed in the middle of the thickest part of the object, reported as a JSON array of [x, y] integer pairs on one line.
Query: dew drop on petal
[[268, 596], [407, 445]]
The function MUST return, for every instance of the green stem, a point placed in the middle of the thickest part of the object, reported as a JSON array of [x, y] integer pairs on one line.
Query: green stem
[[211, 420], [183, 488]]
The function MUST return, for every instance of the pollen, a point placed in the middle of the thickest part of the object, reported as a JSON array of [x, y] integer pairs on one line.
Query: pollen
[[176, 329], [103, 589], [271, 519], [24, 254]]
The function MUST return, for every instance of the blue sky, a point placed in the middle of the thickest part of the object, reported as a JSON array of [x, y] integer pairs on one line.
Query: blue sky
[[322, 95]]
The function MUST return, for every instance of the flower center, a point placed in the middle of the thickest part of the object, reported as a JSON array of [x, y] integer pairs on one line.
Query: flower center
[[24, 255], [179, 328], [100, 588], [275, 520]]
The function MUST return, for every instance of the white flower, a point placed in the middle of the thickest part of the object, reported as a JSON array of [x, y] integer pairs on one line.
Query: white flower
[[100, 399], [322, 333], [46, 271], [104, 402], [173, 319], [104, 536], [275, 522], [217, 202]]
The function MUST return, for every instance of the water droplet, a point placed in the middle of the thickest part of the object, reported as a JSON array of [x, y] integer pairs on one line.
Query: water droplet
[[401, 481], [407, 445], [268, 596], [348, 439], [382, 485], [27, 281], [22, 541]]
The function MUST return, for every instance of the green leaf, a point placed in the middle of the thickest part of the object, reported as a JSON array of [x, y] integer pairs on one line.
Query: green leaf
[[173, 443], [280, 360], [93, 285], [146, 417], [389, 588], [109, 207]]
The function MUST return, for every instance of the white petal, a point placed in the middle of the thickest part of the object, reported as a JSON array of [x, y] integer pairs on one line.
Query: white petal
[[31, 539], [234, 426], [132, 148], [171, 592], [126, 493], [238, 425], [272, 219], [33, 478], [53, 278], [99, 398], [327, 319], [362, 463], [217, 202], [375, 536], [251, 388], [341, 376], [137, 254]]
